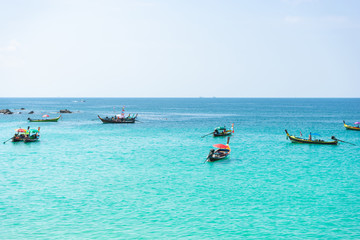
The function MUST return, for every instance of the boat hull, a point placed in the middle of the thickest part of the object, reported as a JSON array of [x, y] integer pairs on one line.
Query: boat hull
[[302, 140], [44, 120], [222, 134], [119, 120], [322, 142], [217, 155], [30, 140], [17, 139], [348, 127], [214, 159]]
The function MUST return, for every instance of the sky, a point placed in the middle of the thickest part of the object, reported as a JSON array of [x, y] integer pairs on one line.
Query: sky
[[180, 48]]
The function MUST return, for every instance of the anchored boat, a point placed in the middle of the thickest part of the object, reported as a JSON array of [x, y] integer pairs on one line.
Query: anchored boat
[[26, 135], [222, 131], [222, 152], [310, 140], [349, 127], [119, 119], [45, 120]]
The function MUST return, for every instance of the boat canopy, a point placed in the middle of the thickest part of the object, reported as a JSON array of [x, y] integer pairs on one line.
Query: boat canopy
[[20, 130], [221, 146], [220, 128]]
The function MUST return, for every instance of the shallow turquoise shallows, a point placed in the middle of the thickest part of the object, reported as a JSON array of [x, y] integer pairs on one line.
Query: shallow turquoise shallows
[[148, 180]]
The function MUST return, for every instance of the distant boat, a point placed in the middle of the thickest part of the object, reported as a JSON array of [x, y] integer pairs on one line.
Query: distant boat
[[222, 152], [352, 127], [119, 119], [222, 131], [310, 141], [45, 120]]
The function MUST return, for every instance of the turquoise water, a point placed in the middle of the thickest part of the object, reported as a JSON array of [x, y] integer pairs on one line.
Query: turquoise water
[[88, 180]]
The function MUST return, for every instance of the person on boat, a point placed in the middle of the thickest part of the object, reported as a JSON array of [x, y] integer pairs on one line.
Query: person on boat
[[212, 151], [216, 131], [310, 137]]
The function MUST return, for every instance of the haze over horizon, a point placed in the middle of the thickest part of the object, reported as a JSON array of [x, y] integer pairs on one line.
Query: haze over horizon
[[279, 48]]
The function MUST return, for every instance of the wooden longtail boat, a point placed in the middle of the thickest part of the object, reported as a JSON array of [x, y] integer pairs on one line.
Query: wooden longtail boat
[[351, 127], [118, 119], [26, 135], [222, 152], [45, 120], [315, 141], [222, 131]]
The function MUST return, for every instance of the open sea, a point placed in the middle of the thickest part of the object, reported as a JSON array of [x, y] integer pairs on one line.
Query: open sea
[[148, 180]]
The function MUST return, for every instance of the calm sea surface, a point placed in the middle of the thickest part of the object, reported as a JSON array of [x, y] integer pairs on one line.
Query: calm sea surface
[[88, 180]]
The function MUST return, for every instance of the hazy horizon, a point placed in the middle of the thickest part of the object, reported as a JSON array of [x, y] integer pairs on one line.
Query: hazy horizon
[[181, 49], [84, 98]]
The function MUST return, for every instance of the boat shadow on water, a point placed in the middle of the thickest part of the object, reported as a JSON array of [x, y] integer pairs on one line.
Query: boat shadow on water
[[296, 144], [226, 161]]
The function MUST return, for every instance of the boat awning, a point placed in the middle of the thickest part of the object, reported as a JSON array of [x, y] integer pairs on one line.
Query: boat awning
[[20, 130], [221, 146]]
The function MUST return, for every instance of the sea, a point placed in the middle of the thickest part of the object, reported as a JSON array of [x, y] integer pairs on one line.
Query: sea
[[149, 180]]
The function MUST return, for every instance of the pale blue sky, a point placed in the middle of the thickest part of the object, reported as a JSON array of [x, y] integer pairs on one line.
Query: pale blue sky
[[111, 48]]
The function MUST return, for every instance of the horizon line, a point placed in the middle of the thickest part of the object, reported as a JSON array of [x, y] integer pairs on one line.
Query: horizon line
[[198, 97]]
